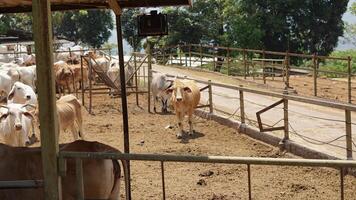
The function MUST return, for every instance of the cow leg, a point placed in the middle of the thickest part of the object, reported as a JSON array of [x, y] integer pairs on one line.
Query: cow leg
[[155, 98], [74, 132], [191, 130], [180, 125]]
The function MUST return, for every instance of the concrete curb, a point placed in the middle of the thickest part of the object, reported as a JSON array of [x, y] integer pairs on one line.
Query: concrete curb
[[289, 146]]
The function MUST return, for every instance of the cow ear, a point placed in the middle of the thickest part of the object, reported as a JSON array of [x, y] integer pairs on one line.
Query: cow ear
[[29, 115], [169, 90], [11, 94], [187, 89], [3, 117]]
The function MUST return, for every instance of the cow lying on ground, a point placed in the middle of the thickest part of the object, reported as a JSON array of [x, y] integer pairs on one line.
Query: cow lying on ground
[[185, 98], [159, 85], [101, 177]]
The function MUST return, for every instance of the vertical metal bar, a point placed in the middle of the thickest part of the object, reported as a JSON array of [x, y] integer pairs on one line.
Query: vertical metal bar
[[242, 106], [124, 102], [263, 67], [190, 55], [342, 191], [286, 120], [348, 134], [249, 181], [42, 29], [163, 183], [79, 178], [211, 105], [201, 56], [349, 75], [180, 55], [91, 85], [245, 64], [149, 77], [82, 75], [287, 71], [186, 58], [228, 61], [315, 74], [136, 82]]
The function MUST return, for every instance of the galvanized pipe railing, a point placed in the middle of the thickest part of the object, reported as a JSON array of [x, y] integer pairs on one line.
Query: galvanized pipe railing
[[339, 164]]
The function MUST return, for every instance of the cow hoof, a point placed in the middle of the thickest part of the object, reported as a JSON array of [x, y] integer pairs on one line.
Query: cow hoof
[[179, 136]]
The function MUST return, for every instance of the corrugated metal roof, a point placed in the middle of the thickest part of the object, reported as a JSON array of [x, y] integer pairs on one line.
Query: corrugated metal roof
[[13, 6]]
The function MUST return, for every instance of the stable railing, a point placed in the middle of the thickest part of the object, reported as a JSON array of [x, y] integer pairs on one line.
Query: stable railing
[[342, 165]]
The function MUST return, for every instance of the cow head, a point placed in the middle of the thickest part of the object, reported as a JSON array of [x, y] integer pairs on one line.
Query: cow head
[[178, 91], [18, 93], [15, 115]]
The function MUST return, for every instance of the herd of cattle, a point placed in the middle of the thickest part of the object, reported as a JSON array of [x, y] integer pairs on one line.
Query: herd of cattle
[[20, 112]]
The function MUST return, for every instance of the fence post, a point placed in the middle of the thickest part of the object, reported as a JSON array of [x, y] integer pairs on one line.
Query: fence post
[[286, 120], [79, 178], [228, 61], [164, 56], [201, 56], [287, 70], [190, 55], [349, 75], [149, 78], [245, 63], [263, 67], [242, 106], [315, 74], [82, 82], [163, 182], [348, 134], [211, 107], [90, 84], [136, 82], [180, 55], [186, 59]]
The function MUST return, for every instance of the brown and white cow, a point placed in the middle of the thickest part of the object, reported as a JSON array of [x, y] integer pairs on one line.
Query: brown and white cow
[[185, 98], [101, 177]]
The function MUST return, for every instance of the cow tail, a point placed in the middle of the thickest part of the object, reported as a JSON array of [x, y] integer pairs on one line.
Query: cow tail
[[115, 192]]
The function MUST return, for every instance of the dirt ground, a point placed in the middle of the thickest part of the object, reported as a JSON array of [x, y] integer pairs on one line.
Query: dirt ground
[[203, 181]]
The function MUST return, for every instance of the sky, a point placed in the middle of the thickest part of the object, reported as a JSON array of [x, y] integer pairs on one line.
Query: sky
[[348, 17]]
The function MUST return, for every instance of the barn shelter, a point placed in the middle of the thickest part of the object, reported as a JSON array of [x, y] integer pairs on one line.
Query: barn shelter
[[42, 31]]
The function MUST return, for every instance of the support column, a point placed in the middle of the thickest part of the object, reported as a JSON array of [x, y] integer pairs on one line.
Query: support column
[[42, 29], [124, 102]]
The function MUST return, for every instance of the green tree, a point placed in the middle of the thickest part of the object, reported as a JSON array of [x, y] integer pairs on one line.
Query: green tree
[[91, 27], [309, 27], [129, 28]]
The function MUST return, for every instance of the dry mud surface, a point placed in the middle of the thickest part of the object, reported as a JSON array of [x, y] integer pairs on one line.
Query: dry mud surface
[[203, 181]]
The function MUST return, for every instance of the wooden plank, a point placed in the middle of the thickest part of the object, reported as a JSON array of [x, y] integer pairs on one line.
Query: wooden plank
[[114, 5], [42, 27]]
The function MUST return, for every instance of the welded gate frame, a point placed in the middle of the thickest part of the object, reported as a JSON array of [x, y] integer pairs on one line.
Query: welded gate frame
[[91, 78], [260, 124], [342, 165]]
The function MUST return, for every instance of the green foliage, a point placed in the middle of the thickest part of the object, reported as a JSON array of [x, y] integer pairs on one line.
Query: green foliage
[[338, 65], [129, 28], [312, 26], [91, 27]]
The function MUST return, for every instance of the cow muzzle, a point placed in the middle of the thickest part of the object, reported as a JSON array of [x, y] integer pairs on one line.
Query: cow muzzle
[[18, 127], [179, 99]]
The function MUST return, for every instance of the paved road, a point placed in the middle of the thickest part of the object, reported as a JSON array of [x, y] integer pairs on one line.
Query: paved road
[[304, 118]]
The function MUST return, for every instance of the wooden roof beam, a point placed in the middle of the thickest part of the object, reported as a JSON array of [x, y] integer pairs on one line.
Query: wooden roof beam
[[114, 5]]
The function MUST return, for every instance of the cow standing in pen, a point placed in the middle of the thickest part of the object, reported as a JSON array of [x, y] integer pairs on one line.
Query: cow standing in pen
[[159, 85], [185, 98]]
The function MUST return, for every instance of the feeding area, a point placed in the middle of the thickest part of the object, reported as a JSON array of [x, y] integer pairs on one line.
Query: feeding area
[[79, 123]]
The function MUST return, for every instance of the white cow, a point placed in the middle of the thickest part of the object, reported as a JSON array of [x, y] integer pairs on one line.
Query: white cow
[[15, 124], [114, 73], [5, 83], [102, 64], [28, 75], [159, 85], [22, 94]]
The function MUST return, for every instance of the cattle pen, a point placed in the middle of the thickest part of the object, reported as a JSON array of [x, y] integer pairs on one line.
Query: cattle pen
[[54, 162]]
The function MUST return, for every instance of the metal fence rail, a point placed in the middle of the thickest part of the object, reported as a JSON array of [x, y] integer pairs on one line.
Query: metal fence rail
[[248, 161]]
